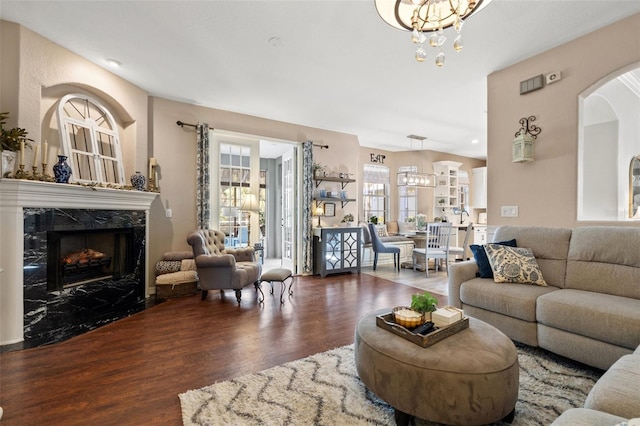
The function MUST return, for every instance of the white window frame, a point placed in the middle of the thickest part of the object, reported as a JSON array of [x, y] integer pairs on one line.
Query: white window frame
[[407, 197], [96, 126], [375, 176]]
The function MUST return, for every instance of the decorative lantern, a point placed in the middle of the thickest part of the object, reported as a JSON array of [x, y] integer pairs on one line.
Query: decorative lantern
[[523, 143], [523, 148]]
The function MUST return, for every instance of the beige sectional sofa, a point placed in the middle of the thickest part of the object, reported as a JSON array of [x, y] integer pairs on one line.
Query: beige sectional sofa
[[614, 400], [590, 309]]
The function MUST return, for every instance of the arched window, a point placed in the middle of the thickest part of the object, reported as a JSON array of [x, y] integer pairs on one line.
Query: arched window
[[90, 140]]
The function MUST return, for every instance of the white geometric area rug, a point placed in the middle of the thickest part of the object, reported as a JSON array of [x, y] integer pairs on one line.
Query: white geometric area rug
[[324, 389]]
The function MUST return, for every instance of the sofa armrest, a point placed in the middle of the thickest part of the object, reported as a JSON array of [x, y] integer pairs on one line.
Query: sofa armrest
[[460, 272]]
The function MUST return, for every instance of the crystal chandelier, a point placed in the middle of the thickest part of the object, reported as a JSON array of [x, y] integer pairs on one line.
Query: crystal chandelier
[[424, 16]]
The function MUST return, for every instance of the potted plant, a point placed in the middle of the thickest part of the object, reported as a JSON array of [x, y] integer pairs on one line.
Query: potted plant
[[11, 142], [348, 219], [417, 313], [317, 168], [424, 303], [421, 221], [374, 220]]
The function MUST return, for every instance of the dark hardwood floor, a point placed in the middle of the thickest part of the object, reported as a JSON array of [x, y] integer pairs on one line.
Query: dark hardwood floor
[[130, 372]]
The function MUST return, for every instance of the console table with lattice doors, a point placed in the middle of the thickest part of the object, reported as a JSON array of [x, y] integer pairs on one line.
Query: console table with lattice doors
[[336, 250]]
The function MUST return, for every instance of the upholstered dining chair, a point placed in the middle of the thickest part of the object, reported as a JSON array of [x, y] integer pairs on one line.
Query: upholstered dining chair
[[379, 247], [221, 268], [437, 247]]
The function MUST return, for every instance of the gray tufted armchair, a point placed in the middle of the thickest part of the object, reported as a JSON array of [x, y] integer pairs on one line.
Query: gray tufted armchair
[[221, 268]]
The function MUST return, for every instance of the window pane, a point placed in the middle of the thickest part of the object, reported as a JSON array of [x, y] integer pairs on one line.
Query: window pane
[[375, 192]]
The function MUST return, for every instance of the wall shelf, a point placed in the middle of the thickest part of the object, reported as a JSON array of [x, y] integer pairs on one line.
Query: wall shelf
[[343, 183]]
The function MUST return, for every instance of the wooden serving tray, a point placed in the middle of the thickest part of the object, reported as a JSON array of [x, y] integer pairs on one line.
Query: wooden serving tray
[[387, 322]]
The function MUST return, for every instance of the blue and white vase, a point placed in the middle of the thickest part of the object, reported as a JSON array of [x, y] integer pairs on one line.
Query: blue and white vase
[[138, 181], [62, 170]]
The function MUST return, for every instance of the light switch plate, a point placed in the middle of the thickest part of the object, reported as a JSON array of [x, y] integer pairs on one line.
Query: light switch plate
[[509, 211], [168, 213]]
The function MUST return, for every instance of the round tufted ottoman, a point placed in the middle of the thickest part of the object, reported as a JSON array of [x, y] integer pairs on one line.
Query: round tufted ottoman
[[470, 378]]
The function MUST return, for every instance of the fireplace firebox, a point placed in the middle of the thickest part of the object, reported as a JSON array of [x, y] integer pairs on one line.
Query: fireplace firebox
[[80, 257]]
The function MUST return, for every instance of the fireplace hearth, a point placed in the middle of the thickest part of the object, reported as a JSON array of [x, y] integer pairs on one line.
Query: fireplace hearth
[[30, 312], [82, 269]]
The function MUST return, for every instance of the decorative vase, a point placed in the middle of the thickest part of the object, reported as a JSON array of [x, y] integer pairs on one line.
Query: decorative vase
[[8, 163], [138, 181], [61, 170]]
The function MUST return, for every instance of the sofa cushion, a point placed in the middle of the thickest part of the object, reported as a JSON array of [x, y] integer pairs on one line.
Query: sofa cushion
[[178, 255], [586, 417], [605, 260], [513, 265], [618, 391], [480, 255], [177, 278], [392, 228], [396, 239], [611, 319], [514, 300], [550, 247]]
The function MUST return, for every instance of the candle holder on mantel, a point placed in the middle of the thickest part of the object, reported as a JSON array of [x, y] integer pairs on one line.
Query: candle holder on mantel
[[45, 177], [21, 174], [153, 185], [34, 173]]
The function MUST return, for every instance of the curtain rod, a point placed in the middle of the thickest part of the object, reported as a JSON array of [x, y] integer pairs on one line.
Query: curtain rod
[[321, 146], [181, 124]]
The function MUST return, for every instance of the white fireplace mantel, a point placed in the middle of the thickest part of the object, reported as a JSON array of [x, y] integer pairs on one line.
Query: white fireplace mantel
[[17, 194]]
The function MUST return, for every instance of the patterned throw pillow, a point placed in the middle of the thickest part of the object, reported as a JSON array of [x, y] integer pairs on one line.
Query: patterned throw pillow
[[167, 266], [382, 230], [480, 255], [514, 265]]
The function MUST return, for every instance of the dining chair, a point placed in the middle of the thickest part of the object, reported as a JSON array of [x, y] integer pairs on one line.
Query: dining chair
[[437, 247], [462, 251], [379, 247]]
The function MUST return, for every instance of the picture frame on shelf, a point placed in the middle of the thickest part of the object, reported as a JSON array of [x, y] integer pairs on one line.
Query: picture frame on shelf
[[329, 209]]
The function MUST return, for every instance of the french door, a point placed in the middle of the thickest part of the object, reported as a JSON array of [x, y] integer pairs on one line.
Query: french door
[[289, 248]]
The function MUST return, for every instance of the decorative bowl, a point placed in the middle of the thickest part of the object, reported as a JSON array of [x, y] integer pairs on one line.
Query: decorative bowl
[[407, 317]]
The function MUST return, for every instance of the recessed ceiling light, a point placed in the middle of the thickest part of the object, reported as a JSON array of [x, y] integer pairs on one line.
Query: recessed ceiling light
[[113, 63], [475, 141]]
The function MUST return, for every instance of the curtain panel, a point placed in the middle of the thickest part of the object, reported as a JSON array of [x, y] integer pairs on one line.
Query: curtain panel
[[307, 200], [203, 178]]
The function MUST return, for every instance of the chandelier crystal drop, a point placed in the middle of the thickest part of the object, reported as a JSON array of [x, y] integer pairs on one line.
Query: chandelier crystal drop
[[433, 16], [457, 43]]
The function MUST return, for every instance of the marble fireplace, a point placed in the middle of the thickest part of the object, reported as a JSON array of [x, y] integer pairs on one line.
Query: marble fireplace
[[71, 258]]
